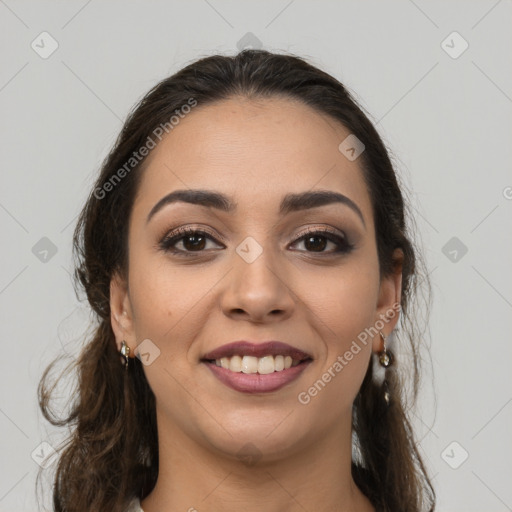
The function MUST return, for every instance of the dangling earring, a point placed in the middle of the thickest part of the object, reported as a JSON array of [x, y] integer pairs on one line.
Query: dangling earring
[[125, 355], [385, 358], [381, 362]]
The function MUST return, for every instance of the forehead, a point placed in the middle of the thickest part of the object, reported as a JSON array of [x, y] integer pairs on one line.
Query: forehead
[[254, 150]]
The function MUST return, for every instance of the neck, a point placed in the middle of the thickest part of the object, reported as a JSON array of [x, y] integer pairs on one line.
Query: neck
[[194, 477]]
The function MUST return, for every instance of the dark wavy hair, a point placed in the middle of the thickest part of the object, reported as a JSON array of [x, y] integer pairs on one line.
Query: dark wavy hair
[[111, 453]]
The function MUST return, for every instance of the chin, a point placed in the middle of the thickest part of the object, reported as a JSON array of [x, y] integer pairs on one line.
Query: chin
[[259, 443]]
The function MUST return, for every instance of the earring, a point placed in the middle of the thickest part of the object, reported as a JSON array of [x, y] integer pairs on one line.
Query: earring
[[125, 355], [385, 360]]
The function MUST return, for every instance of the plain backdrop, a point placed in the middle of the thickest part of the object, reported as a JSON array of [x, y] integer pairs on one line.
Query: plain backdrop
[[436, 78]]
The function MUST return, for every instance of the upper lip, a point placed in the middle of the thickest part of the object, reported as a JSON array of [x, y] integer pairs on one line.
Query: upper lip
[[260, 349]]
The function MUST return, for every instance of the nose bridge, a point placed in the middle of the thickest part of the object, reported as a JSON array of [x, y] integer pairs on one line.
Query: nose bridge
[[255, 264], [258, 284]]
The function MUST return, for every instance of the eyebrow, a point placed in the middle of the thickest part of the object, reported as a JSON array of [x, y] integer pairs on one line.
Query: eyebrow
[[290, 202]]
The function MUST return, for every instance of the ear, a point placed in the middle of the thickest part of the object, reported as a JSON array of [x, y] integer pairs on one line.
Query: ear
[[388, 303], [121, 316]]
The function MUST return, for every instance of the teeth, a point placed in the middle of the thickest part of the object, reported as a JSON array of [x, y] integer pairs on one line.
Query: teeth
[[261, 365]]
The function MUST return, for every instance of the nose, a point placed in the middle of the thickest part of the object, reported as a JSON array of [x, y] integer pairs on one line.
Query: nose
[[258, 291]]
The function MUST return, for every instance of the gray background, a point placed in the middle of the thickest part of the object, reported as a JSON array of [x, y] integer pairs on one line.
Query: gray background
[[447, 121]]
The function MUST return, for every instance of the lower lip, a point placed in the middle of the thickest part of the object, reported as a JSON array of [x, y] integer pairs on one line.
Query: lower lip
[[254, 382]]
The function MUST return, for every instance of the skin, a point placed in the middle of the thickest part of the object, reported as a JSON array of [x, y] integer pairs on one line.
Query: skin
[[314, 299]]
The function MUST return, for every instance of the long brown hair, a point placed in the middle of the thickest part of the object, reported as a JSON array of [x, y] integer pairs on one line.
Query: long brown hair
[[111, 454]]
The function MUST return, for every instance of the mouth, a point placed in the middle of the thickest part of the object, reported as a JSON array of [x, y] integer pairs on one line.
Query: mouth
[[257, 368], [260, 365]]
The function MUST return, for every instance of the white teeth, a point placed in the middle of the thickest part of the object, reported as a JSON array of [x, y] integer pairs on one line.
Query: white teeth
[[249, 364], [266, 365], [261, 365], [235, 363]]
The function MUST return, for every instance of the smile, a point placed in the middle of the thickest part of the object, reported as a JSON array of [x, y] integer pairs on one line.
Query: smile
[[250, 374]]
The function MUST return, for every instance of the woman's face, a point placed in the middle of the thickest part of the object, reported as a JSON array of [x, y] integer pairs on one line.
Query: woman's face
[[252, 274]]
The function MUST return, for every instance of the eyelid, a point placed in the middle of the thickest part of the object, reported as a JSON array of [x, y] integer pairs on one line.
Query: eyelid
[[334, 235], [183, 230], [323, 228]]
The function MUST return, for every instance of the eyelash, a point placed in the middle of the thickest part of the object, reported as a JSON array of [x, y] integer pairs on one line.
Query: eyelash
[[343, 246]]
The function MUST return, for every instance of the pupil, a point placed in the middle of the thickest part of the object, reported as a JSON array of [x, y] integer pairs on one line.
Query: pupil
[[317, 246], [198, 244]]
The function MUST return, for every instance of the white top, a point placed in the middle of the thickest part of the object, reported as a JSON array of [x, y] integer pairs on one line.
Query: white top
[[134, 506]]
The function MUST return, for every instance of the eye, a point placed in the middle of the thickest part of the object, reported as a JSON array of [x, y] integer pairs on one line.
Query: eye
[[317, 240], [192, 240], [195, 240]]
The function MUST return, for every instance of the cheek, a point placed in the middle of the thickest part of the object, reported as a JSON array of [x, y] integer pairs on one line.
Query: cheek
[[156, 297], [343, 306], [345, 301], [169, 303]]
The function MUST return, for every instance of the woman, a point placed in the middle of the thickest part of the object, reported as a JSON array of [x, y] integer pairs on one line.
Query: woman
[[246, 253]]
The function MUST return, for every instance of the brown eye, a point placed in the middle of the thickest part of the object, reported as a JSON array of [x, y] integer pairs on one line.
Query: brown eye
[[315, 243], [318, 240], [192, 240]]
